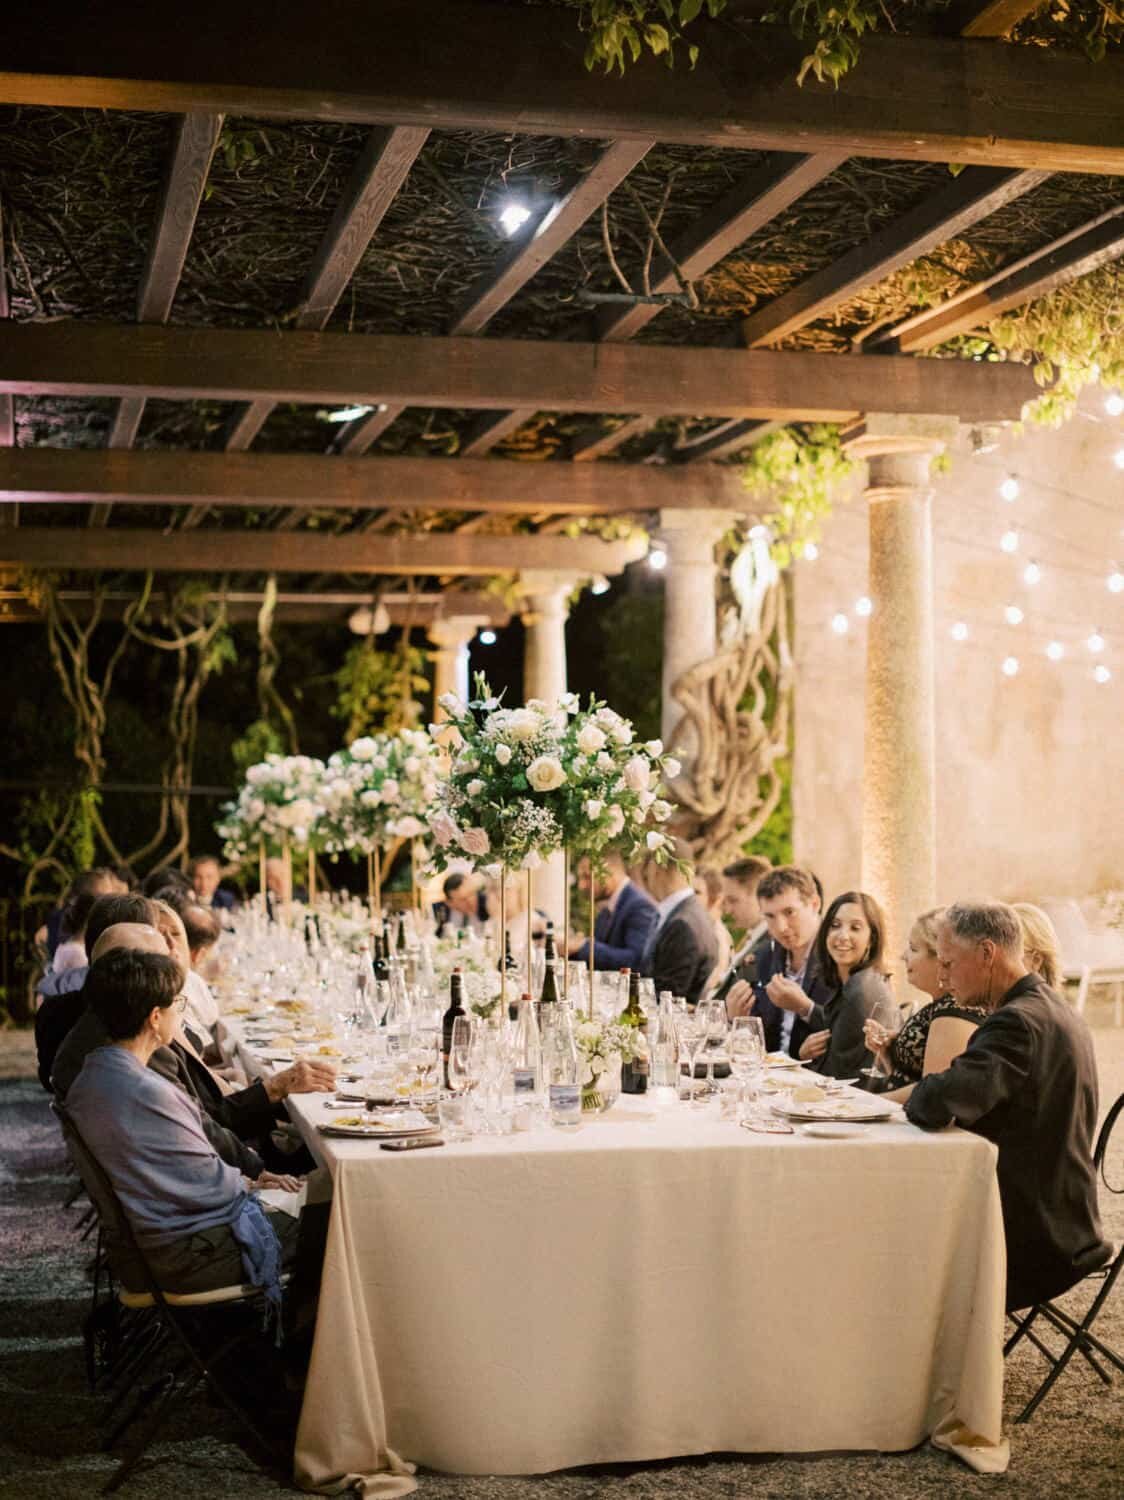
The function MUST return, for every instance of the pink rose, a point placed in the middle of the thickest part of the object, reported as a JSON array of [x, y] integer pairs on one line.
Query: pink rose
[[474, 841], [443, 828]]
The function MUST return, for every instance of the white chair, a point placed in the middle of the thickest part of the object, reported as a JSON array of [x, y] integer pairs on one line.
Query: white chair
[[1090, 958]]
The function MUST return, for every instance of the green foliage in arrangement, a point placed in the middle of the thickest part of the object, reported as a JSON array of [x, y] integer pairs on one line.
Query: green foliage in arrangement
[[379, 690], [796, 473]]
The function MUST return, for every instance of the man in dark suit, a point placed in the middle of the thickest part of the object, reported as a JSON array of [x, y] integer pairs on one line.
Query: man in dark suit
[[788, 991], [682, 948], [1027, 1081], [624, 922], [206, 872]]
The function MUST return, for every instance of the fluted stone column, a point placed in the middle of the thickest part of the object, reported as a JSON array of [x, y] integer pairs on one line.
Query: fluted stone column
[[544, 611], [450, 638], [690, 622], [899, 757]]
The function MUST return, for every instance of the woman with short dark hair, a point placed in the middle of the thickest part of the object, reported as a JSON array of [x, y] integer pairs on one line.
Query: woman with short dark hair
[[848, 950]]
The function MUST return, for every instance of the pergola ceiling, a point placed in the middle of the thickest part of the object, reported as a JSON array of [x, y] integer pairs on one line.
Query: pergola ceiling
[[313, 208]]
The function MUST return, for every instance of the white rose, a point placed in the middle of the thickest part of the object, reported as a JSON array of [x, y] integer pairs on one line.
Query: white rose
[[449, 702], [407, 828], [590, 739], [616, 822], [661, 811], [671, 768], [523, 724], [503, 754], [390, 789], [654, 748], [546, 773], [413, 765], [257, 774], [604, 761], [622, 733], [379, 762], [594, 807], [474, 788], [255, 809], [637, 774], [363, 749], [646, 799], [474, 841], [655, 841], [443, 828], [569, 702], [370, 798]]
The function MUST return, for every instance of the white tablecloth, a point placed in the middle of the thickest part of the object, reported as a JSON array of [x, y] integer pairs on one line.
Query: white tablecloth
[[660, 1283]]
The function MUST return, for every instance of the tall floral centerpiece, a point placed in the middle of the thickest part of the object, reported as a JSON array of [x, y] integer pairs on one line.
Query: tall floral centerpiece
[[379, 789], [280, 806]]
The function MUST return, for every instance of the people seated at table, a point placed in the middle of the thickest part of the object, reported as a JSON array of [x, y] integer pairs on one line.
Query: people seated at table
[[205, 874], [681, 949], [158, 880], [625, 915], [739, 904], [194, 1216], [1027, 1081], [790, 991], [64, 928], [934, 1034], [707, 886], [465, 904], [102, 880], [848, 953], [202, 930], [66, 1004], [1041, 949]]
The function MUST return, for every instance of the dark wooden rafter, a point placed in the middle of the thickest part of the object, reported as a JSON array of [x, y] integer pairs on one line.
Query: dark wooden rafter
[[472, 65], [1073, 255], [974, 195], [493, 427], [313, 482], [595, 442], [72, 358], [196, 136], [998, 17], [429, 554], [724, 441]]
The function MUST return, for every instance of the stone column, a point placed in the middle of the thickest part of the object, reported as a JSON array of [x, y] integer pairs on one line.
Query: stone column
[[690, 622], [899, 761], [544, 610], [450, 639]]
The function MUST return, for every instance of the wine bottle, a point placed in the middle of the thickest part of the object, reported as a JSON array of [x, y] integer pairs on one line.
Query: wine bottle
[[382, 967], [549, 996], [402, 944], [528, 1055], [456, 1008], [635, 1069], [560, 1069], [512, 967]]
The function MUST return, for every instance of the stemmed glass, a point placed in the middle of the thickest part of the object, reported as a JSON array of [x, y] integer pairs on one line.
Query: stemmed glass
[[886, 1017], [746, 1047], [693, 1037], [716, 1023], [453, 1111]]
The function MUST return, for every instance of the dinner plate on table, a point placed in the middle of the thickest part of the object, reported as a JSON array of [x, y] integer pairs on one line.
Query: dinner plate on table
[[840, 1111], [781, 1060], [831, 1130], [391, 1125]]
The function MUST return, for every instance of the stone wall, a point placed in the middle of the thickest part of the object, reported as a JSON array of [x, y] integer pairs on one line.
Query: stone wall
[[1030, 768]]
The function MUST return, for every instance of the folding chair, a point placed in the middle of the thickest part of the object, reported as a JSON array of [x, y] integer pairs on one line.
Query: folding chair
[[175, 1322], [1078, 1335]]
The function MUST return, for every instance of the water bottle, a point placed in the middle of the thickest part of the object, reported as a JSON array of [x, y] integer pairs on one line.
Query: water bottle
[[665, 1046], [527, 1067], [561, 1069]]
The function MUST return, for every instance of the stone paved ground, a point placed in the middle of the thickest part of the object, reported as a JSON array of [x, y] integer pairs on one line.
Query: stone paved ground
[[48, 1443]]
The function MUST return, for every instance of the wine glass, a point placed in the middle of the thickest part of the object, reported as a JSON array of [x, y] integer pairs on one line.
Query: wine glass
[[698, 1038], [716, 1024], [886, 1016], [746, 1047], [462, 1075]]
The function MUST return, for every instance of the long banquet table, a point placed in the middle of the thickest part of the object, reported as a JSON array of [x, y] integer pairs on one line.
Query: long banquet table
[[659, 1283]]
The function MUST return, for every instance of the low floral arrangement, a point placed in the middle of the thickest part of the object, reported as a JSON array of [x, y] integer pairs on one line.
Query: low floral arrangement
[[377, 790], [528, 781], [602, 1046], [279, 804]]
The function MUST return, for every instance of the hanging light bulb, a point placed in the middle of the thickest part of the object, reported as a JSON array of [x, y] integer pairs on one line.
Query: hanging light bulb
[[840, 624], [1114, 404], [1101, 673], [959, 631], [1013, 615], [1095, 642], [1010, 666], [811, 552], [863, 606], [1032, 574], [1009, 488], [1115, 581], [1055, 650], [513, 216], [1009, 541]]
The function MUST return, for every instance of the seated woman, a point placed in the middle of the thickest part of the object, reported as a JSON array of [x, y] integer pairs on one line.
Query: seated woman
[[1041, 949], [933, 1035], [195, 1218], [848, 950]]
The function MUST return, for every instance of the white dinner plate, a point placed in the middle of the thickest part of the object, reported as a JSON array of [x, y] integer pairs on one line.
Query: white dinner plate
[[831, 1130], [842, 1111], [781, 1060]]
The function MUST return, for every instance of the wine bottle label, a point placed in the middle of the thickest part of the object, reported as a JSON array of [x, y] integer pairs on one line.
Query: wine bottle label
[[565, 1096], [524, 1080]]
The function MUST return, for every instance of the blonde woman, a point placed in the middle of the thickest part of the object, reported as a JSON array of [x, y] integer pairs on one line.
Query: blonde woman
[[933, 1035], [1041, 952]]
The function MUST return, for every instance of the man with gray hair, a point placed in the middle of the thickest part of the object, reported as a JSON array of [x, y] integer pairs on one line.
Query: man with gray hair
[[1027, 1081]]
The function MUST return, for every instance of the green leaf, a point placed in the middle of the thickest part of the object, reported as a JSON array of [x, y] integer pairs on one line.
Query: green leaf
[[688, 10]]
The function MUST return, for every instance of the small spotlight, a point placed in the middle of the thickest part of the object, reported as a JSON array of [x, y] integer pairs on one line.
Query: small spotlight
[[1032, 574], [959, 631], [348, 413], [811, 552], [1055, 650], [1013, 615], [1114, 404], [840, 624], [513, 217], [863, 606], [1102, 674], [1009, 541], [1115, 582], [599, 586], [487, 637], [657, 559], [1010, 666], [1095, 642], [1009, 488]]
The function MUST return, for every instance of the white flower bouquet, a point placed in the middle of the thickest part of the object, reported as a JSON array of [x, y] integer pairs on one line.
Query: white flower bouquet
[[280, 805], [602, 1046], [379, 789]]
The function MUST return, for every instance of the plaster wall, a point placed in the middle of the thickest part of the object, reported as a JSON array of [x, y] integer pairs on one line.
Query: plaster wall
[[1030, 769]]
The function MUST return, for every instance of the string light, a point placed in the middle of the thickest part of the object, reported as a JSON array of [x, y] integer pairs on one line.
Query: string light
[[1010, 666], [811, 552], [657, 559], [863, 606], [1115, 581], [1102, 674], [1055, 650], [1032, 574], [1009, 541], [1114, 404], [959, 631], [1009, 488], [1095, 642], [840, 624], [1013, 615]]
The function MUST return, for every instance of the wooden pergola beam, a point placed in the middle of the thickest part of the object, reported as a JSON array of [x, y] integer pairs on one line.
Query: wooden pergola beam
[[998, 17], [230, 551], [97, 359], [471, 65], [724, 441], [420, 610], [312, 482]]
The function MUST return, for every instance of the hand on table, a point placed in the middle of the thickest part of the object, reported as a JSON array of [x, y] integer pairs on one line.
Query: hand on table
[[788, 995], [740, 999], [309, 1076], [814, 1045], [279, 1180]]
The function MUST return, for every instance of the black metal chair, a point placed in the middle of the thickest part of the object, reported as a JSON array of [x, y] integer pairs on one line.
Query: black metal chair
[[181, 1326], [1078, 1335]]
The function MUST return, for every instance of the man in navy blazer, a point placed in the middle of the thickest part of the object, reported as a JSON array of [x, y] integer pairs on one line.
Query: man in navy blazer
[[620, 933]]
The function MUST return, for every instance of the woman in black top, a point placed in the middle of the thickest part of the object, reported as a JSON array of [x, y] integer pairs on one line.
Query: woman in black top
[[848, 950]]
